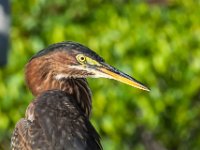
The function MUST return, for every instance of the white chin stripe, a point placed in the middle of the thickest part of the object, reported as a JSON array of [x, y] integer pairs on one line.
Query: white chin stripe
[[96, 74], [60, 76], [99, 74]]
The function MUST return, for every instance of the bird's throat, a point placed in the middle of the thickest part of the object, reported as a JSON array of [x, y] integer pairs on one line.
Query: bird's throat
[[39, 80]]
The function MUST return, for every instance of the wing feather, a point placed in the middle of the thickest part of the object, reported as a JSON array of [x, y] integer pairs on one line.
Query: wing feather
[[58, 124]]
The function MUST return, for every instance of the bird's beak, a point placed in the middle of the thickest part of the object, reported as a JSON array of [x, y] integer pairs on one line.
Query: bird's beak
[[113, 73]]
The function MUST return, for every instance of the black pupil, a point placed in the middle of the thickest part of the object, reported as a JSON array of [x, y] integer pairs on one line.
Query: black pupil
[[82, 58]]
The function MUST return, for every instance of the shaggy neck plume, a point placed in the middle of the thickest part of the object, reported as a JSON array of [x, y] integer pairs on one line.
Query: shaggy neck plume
[[40, 78]]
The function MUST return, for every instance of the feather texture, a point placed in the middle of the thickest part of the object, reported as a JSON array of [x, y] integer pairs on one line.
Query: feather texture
[[57, 124]]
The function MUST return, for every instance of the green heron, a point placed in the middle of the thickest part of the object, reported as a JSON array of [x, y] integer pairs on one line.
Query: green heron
[[58, 118]]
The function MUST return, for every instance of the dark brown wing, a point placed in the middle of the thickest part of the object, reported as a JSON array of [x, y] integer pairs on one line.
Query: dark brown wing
[[56, 123], [18, 140]]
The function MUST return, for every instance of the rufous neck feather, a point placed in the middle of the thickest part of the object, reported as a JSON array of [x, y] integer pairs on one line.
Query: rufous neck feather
[[41, 77]]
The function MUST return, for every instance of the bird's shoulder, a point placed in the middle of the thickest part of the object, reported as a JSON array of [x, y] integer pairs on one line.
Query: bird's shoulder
[[55, 119]]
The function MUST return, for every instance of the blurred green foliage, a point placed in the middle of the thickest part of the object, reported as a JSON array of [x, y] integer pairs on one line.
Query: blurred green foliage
[[157, 44]]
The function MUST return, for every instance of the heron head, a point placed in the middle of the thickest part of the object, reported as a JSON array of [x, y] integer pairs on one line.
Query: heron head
[[73, 60]]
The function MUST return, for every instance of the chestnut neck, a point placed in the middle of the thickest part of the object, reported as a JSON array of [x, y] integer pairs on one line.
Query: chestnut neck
[[40, 78]]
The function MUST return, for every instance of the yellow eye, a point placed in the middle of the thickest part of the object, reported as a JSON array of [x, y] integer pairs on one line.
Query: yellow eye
[[81, 58]]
